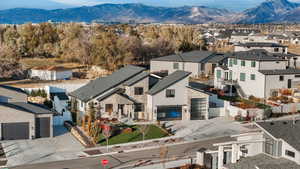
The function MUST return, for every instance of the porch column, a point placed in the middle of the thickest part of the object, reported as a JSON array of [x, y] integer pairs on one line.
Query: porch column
[[220, 157], [234, 153]]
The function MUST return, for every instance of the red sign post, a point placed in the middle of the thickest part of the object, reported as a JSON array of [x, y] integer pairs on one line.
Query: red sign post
[[104, 163]]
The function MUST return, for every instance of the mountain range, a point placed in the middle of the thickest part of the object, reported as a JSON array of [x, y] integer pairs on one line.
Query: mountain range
[[266, 12]]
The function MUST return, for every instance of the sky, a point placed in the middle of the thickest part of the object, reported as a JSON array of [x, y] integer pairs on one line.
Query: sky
[[54, 4]]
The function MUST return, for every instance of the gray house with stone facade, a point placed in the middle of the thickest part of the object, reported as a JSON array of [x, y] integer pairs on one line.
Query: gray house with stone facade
[[130, 93], [20, 119]]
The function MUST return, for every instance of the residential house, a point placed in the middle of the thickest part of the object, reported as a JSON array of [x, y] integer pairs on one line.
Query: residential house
[[20, 119], [197, 62], [270, 47], [50, 73], [172, 98], [119, 95], [275, 144], [256, 73]]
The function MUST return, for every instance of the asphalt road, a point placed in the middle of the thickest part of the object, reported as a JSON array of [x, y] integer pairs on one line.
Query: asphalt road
[[129, 159]]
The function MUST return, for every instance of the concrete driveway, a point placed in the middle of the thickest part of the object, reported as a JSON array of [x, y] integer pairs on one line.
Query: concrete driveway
[[63, 146], [203, 129]]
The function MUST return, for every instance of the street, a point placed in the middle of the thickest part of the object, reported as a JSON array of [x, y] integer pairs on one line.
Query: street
[[129, 159]]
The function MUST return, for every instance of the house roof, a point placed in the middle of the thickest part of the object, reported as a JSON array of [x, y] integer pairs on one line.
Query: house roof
[[216, 58], [196, 56], [118, 91], [13, 89], [255, 54], [61, 96], [285, 130], [136, 79], [290, 71], [260, 44], [263, 161], [103, 84], [168, 81], [28, 107]]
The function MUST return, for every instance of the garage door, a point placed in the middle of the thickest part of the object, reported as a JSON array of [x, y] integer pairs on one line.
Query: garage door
[[42, 127], [167, 113], [198, 108], [15, 131]]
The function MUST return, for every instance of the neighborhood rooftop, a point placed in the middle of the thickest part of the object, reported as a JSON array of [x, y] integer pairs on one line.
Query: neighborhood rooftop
[[197, 56], [260, 44], [286, 130], [136, 79], [101, 85], [263, 161], [255, 54], [28, 107], [168, 81], [290, 71]]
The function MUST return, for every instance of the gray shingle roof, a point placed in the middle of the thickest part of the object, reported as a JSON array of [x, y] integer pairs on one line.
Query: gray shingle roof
[[260, 44], [168, 81], [100, 85], [255, 54], [29, 107], [118, 91], [263, 161], [285, 130], [136, 79], [61, 96], [13, 89], [290, 71], [196, 56]]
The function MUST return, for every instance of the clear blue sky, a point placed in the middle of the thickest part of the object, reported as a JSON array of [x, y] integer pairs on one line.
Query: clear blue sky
[[52, 4]]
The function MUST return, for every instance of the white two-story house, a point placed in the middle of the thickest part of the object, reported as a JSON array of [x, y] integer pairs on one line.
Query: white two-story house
[[256, 73], [268, 46]]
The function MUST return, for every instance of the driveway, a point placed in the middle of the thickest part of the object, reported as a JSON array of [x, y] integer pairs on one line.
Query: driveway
[[63, 146], [203, 129]]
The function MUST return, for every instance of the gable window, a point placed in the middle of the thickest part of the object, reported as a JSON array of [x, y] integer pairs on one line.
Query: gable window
[[281, 78], [242, 77], [170, 93], [230, 62], [253, 63], [218, 74], [252, 76], [290, 153], [175, 65], [235, 61], [243, 63], [138, 91]]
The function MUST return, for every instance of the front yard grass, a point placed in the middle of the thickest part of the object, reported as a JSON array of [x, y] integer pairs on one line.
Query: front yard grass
[[154, 132]]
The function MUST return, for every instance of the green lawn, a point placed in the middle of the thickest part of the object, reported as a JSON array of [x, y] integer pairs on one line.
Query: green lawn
[[153, 133]]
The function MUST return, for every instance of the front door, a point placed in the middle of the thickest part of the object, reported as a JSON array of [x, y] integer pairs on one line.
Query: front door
[[121, 108], [289, 83]]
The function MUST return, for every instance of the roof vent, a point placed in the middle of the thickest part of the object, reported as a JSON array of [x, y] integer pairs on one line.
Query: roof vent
[[272, 123]]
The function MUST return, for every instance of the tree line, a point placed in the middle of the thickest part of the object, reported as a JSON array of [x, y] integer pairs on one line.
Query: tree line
[[109, 46]]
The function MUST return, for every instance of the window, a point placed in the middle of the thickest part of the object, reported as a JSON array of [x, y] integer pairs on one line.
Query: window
[[170, 93], [276, 49], [297, 76], [109, 108], [138, 91], [218, 74], [243, 77], [175, 65], [253, 63], [252, 76], [230, 75], [138, 107], [290, 153], [281, 78], [230, 62], [243, 63], [235, 61]]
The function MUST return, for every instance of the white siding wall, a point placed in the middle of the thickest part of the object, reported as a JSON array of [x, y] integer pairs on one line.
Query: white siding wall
[[272, 65], [195, 68]]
